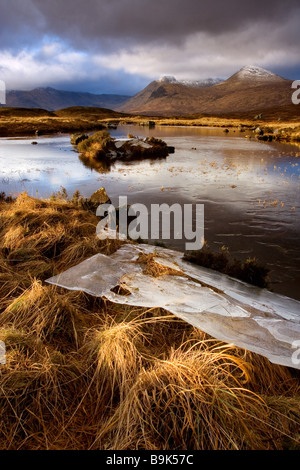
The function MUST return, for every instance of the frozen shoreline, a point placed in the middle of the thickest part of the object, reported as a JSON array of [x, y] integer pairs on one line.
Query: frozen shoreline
[[229, 310]]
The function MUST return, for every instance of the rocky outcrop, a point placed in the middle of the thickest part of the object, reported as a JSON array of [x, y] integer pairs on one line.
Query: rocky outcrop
[[101, 147], [98, 197]]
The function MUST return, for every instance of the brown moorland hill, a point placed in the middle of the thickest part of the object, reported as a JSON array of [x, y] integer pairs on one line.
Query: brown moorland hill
[[26, 121], [250, 90], [52, 99]]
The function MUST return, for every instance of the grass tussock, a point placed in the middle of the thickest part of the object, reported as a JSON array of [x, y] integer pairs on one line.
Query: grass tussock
[[250, 271], [189, 400], [83, 373], [154, 268], [96, 146]]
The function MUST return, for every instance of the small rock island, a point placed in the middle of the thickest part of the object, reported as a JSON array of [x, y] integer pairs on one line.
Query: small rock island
[[102, 147]]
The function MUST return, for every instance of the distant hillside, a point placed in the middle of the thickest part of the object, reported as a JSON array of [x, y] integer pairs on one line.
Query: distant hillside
[[52, 100], [250, 90], [35, 121]]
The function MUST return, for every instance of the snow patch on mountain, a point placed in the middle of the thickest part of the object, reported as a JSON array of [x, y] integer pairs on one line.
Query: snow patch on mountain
[[192, 83], [250, 72]]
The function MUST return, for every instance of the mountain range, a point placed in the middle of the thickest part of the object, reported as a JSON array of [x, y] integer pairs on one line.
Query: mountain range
[[193, 83], [52, 99], [251, 90]]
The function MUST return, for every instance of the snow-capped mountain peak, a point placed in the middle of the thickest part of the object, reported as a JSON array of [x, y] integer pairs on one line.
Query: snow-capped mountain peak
[[167, 79], [250, 72], [192, 83]]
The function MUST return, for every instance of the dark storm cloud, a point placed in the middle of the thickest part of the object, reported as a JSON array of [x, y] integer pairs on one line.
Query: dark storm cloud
[[163, 19], [98, 22], [102, 44], [19, 20]]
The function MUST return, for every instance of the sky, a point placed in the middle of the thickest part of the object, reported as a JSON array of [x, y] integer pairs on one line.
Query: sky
[[119, 46]]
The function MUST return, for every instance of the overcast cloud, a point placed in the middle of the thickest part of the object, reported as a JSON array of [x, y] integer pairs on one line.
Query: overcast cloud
[[121, 45]]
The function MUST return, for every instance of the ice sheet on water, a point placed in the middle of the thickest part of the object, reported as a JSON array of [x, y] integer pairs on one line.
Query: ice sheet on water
[[227, 309]]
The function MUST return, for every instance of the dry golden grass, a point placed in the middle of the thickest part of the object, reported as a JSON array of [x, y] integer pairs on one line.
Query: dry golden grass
[[22, 121], [18, 121], [154, 268], [286, 130], [189, 400], [83, 373]]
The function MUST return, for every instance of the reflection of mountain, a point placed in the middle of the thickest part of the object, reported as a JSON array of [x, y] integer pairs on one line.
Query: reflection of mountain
[[51, 99], [250, 91]]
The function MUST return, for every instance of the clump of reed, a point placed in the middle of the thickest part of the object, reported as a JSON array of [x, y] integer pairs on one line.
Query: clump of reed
[[250, 271], [52, 235], [97, 145], [202, 396], [84, 373], [153, 268]]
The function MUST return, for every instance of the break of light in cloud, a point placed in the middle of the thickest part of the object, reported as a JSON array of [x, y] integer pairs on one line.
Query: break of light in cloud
[[119, 46], [201, 56]]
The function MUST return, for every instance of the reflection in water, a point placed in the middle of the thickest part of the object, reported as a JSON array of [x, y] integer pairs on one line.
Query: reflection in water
[[250, 189], [103, 166]]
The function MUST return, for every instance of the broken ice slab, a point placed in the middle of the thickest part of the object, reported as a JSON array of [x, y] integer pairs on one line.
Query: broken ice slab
[[229, 310]]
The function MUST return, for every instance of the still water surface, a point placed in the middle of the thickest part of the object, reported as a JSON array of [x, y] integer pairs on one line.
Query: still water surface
[[250, 189]]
